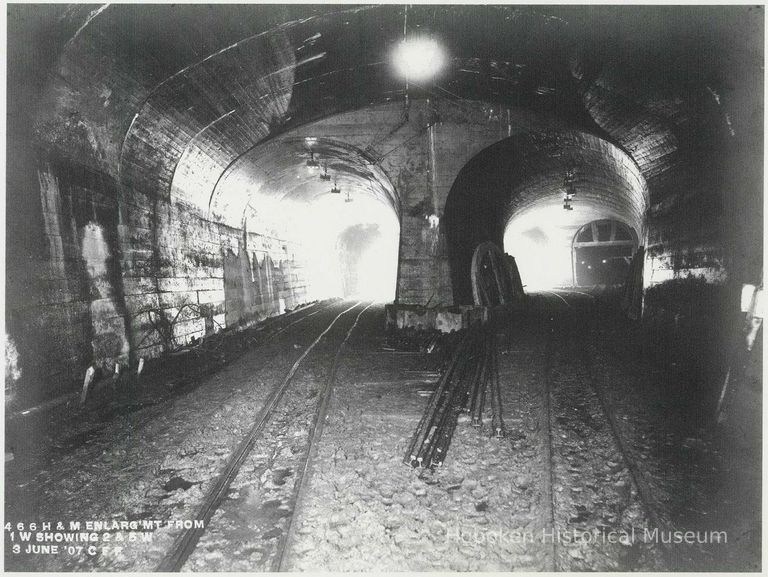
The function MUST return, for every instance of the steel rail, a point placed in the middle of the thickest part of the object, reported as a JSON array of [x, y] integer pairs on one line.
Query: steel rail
[[549, 480], [477, 412], [644, 490], [497, 422], [303, 318], [558, 296], [187, 541], [571, 291], [315, 433], [269, 323], [473, 391]]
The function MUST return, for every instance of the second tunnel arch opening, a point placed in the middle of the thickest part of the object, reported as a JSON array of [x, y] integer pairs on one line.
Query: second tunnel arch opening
[[602, 252], [513, 193]]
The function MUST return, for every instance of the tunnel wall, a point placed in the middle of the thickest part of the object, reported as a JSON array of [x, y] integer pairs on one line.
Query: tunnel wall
[[108, 263], [90, 252], [701, 153]]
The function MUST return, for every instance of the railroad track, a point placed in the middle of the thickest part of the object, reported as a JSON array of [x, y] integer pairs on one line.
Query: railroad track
[[270, 328], [284, 407], [576, 412], [310, 312]]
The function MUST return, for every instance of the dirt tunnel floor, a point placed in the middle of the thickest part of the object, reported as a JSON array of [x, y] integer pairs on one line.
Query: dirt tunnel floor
[[597, 471]]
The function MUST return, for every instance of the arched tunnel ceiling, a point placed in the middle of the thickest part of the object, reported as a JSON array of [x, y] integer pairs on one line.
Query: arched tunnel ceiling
[[606, 181], [167, 100], [213, 111], [527, 172], [278, 170]]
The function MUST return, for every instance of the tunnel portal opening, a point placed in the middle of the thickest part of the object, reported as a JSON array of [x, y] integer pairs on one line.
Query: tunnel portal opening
[[602, 253], [532, 193], [333, 211], [368, 261], [345, 245]]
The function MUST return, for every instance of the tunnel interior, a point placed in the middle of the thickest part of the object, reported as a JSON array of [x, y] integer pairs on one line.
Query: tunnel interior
[[207, 155]]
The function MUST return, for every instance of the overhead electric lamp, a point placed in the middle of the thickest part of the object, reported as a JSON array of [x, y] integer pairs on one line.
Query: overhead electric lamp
[[312, 163], [418, 59], [324, 175], [570, 182], [335, 189]]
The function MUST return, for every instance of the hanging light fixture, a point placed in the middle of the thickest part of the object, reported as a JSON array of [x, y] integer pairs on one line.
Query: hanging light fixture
[[335, 189], [324, 175], [569, 188], [416, 58], [570, 182]]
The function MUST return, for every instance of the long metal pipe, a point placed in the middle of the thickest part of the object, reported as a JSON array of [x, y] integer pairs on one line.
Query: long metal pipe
[[450, 401], [479, 402], [437, 450], [498, 422], [423, 428]]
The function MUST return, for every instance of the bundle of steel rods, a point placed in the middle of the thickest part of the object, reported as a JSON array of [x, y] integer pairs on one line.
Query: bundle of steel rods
[[497, 423], [461, 389]]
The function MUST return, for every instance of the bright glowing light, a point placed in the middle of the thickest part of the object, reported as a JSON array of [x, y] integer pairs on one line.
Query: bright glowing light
[[317, 227], [377, 270], [540, 241], [418, 59]]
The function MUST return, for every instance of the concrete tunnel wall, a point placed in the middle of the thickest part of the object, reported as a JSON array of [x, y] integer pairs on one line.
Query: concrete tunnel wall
[[124, 141]]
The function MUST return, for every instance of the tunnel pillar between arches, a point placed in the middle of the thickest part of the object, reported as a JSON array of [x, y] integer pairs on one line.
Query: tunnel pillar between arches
[[423, 269]]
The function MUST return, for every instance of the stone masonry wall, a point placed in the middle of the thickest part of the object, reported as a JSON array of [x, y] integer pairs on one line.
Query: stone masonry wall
[[107, 275]]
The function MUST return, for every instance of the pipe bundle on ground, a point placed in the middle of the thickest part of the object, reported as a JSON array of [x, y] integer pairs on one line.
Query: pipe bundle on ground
[[470, 374]]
